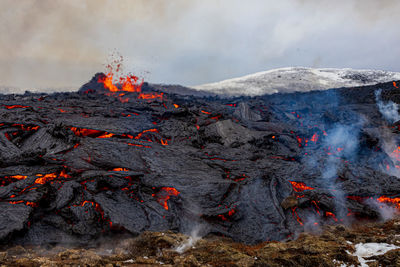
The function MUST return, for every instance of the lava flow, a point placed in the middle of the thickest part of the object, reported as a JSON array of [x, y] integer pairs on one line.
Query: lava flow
[[245, 167], [300, 186], [124, 84], [164, 195], [128, 83]]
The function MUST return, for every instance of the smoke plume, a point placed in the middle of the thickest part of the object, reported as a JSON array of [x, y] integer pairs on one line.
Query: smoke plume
[[389, 110]]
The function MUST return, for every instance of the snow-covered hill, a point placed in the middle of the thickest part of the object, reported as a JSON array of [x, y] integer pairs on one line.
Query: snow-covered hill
[[297, 79], [19, 90]]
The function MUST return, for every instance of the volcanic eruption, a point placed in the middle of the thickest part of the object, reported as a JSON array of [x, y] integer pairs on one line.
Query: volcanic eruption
[[126, 157]]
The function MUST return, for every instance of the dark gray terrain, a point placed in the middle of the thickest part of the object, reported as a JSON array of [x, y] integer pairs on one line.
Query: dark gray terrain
[[79, 167]]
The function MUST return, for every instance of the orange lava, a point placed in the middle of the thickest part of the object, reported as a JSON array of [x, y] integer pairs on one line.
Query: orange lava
[[15, 106], [395, 200], [17, 177], [164, 195], [44, 178], [150, 95], [82, 132], [331, 215], [300, 186], [120, 170], [314, 138], [28, 203], [25, 128], [296, 216], [395, 85], [128, 83], [146, 131]]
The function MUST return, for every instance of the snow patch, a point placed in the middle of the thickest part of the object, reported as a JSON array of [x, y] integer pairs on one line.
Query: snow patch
[[297, 79], [371, 249]]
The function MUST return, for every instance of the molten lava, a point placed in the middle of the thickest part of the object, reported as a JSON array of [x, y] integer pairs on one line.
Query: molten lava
[[225, 217], [296, 216], [15, 106], [331, 215], [164, 195], [127, 84], [300, 186], [120, 170], [82, 132], [150, 96], [395, 201], [44, 178]]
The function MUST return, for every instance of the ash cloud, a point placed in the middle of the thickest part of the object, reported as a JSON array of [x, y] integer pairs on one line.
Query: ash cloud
[[53, 43]]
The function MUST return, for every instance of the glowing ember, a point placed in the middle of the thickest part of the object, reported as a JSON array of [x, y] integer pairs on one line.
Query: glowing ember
[[395, 201], [314, 138], [145, 131], [82, 132], [164, 142], [396, 154], [26, 128], [150, 95], [44, 178], [296, 216], [120, 170], [164, 195], [15, 106], [225, 217], [17, 177], [300, 186], [28, 203], [331, 215], [299, 140]]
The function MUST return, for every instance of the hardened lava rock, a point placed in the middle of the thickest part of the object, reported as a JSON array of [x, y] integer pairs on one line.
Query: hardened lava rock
[[79, 167]]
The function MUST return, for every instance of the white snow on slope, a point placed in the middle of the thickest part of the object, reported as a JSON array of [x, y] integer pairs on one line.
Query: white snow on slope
[[18, 90], [371, 249], [298, 79]]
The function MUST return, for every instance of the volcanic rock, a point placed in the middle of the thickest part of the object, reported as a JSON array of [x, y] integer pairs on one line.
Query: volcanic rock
[[77, 168]]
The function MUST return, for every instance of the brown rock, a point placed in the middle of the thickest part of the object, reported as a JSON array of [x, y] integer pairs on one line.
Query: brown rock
[[289, 202], [3, 256]]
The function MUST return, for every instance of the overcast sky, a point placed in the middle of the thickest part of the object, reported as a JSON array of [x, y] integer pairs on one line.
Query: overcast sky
[[54, 43]]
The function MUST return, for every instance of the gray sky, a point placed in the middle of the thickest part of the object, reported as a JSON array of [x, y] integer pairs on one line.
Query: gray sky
[[54, 43]]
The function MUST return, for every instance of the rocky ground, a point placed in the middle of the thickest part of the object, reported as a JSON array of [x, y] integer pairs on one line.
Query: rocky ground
[[332, 246], [92, 168]]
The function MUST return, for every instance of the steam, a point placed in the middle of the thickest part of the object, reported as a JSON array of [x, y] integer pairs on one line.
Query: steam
[[191, 241], [343, 141], [386, 212], [389, 110]]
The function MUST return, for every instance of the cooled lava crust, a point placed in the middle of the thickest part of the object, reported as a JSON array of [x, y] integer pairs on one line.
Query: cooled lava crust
[[77, 167]]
